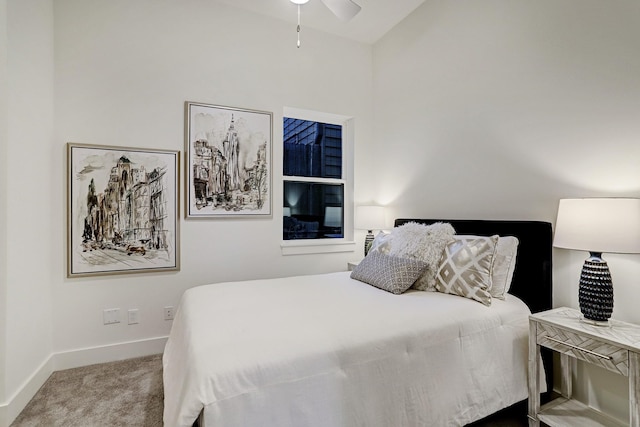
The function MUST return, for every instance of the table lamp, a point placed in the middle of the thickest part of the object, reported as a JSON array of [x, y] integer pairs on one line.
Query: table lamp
[[333, 217], [369, 218], [598, 225]]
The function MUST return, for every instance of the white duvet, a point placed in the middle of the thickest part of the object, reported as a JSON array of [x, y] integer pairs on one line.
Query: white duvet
[[327, 350]]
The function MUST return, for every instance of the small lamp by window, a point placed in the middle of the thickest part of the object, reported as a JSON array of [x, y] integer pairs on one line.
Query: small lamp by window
[[333, 220], [333, 216], [598, 225], [369, 218]]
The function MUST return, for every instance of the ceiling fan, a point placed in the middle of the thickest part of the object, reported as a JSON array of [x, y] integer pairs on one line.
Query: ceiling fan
[[343, 9]]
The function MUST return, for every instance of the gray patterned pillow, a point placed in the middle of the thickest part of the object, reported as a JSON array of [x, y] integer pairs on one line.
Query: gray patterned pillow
[[467, 266], [389, 273]]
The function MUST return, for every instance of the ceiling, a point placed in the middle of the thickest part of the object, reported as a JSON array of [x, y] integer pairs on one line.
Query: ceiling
[[374, 20]]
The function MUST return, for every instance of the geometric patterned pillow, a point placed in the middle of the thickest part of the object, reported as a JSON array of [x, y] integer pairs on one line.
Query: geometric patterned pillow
[[466, 267], [389, 273]]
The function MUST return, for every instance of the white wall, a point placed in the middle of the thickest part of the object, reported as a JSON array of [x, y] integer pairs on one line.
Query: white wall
[[512, 105], [123, 72], [3, 203], [29, 200]]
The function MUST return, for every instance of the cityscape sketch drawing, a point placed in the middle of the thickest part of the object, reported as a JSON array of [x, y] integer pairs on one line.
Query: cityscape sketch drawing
[[228, 161], [123, 209]]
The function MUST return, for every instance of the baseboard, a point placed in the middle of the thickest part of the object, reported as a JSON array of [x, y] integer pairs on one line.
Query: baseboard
[[108, 353], [10, 409], [16, 403]]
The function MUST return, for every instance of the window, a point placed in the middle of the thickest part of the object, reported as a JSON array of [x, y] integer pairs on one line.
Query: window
[[316, 168]]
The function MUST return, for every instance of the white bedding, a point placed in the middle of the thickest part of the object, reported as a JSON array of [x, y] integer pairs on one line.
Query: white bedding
[[327, 350]]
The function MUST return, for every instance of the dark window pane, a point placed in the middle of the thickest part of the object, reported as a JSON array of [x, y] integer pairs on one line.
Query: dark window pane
[[313, 211], [312, 149]]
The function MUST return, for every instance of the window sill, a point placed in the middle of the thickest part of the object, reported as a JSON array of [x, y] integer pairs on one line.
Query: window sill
[[303, 247]]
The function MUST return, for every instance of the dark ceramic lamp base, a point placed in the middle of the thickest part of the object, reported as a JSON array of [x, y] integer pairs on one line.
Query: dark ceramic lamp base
[[595, 295], [368, 241]]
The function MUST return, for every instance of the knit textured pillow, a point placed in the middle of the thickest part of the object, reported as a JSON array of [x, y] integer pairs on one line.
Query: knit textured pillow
[[467, 266], [422, 242], [381, 243], [389, 273]]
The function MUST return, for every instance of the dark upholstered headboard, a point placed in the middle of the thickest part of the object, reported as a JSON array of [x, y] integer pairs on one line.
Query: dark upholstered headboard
[[532, 281]]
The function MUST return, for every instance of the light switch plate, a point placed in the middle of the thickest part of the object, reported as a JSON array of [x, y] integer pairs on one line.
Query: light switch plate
[[111, 316], [134, 316]]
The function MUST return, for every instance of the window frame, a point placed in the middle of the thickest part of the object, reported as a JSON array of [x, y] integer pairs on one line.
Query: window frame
[[329, 245]]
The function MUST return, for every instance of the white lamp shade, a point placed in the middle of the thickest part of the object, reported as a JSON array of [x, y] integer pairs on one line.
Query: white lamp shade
[[370, 217], [609, 225], [333, 216]]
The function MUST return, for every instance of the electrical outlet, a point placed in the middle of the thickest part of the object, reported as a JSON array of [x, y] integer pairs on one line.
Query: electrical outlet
[[169, 312], [111, 316], [134, 316]]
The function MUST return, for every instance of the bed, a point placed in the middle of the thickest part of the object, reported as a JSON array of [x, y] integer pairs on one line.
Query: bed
[[327, 350]]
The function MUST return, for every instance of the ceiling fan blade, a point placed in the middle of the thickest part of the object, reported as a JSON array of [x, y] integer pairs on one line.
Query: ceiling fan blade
[[343, 9]]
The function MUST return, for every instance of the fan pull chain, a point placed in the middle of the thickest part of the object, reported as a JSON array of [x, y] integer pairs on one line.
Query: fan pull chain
[[298, 27]]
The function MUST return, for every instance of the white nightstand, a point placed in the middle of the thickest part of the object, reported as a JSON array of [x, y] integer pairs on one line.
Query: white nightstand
[[615, 347], [352, 264]]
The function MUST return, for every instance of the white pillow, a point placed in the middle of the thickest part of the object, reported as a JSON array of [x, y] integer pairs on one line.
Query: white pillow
[[423, 242], [381, 243], [504, 265]]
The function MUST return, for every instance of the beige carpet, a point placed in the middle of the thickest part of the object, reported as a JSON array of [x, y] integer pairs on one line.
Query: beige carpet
[[129, 393], [125, 393]]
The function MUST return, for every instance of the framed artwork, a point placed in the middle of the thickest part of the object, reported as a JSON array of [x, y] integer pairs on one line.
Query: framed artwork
[[228, 161], [122, 210]]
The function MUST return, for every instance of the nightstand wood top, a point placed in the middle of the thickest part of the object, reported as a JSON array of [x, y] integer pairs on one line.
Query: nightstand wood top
[[622, 334]]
